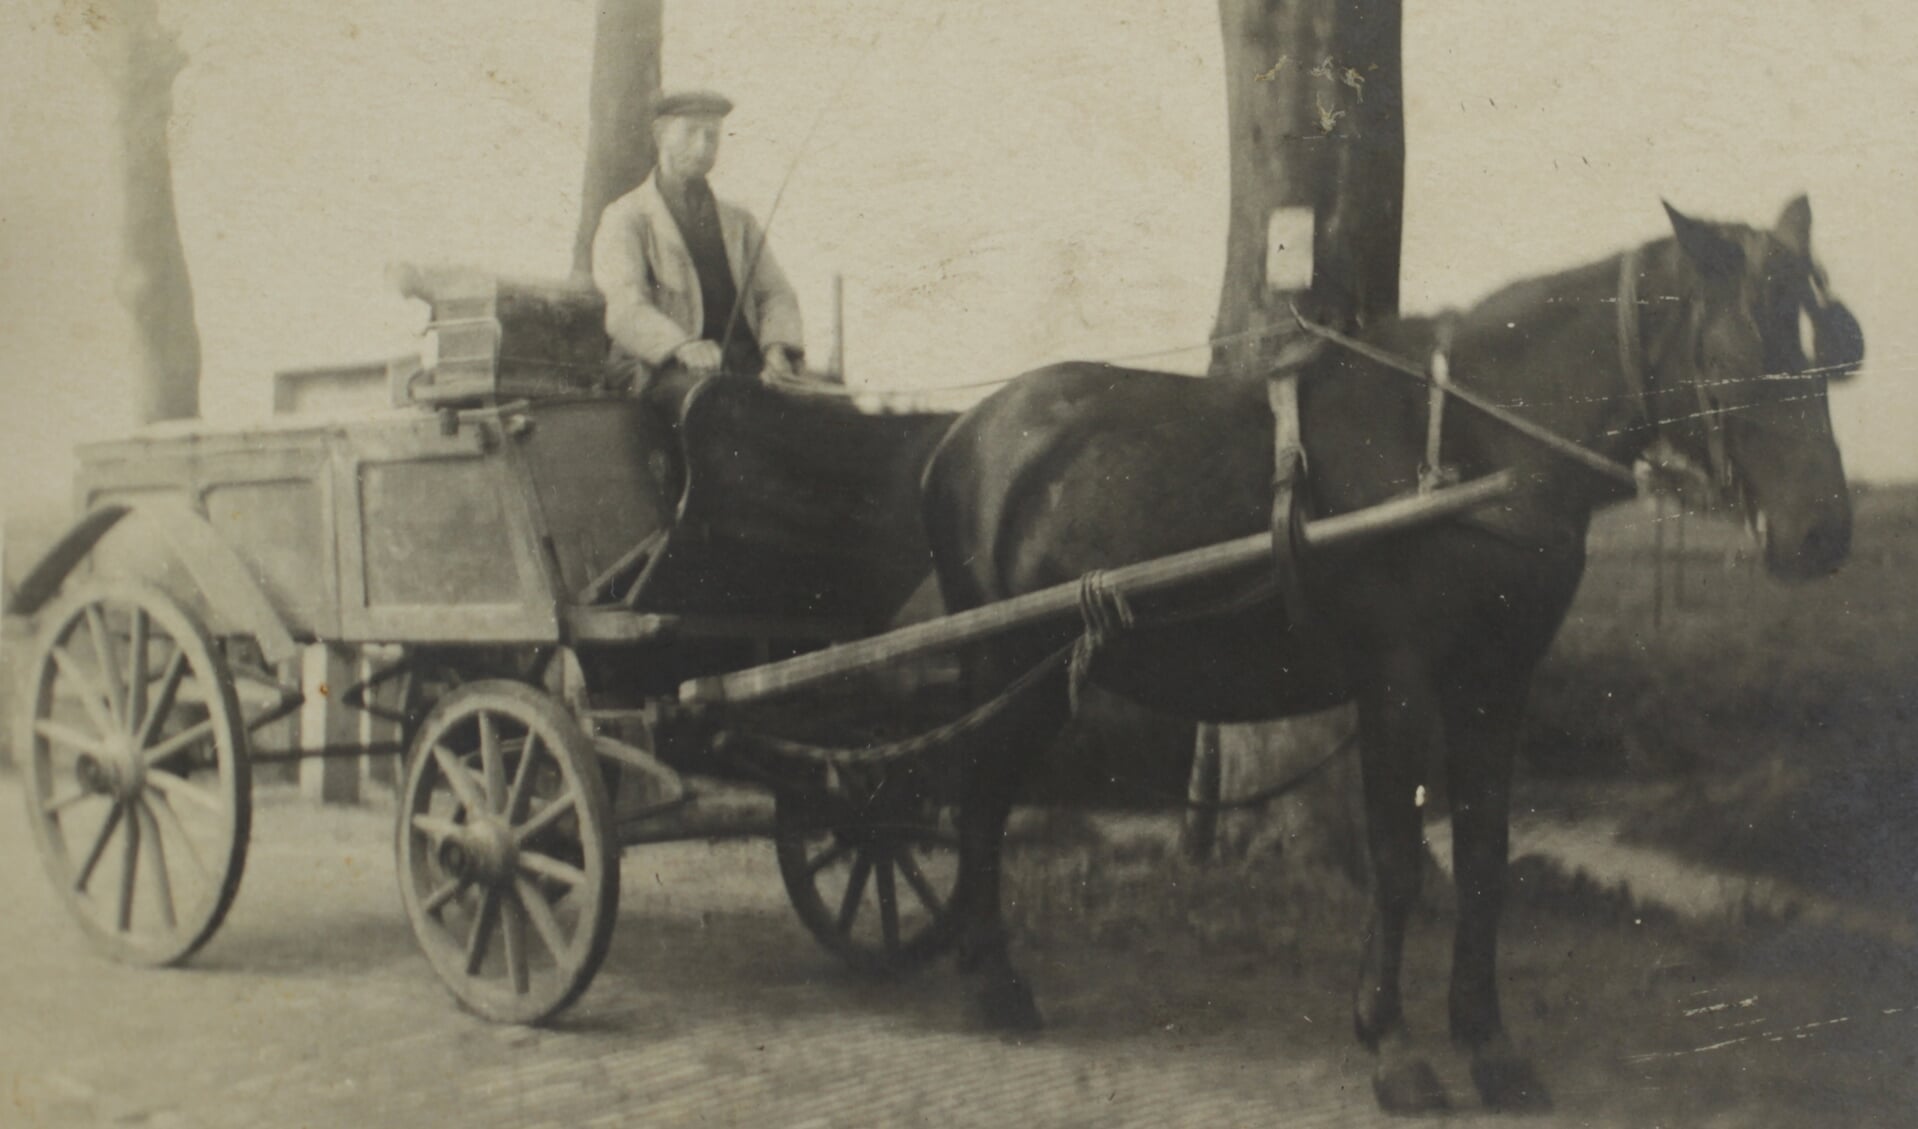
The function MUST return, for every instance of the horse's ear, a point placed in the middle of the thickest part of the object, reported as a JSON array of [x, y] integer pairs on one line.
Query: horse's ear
[[1709, 249], [1794, 226]]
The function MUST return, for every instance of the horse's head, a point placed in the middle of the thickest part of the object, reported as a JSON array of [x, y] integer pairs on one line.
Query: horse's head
[[1747, 396]]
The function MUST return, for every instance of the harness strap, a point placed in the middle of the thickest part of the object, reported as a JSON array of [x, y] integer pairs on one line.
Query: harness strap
[[1288, 472], [1631, 339], [1106, 614], [1544, 436], [1434, 473], [1723, 476]]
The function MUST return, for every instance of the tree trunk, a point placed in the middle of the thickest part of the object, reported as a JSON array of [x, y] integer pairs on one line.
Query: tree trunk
[[1316, 120], [140, 61], [1315, 106], [619, 136]]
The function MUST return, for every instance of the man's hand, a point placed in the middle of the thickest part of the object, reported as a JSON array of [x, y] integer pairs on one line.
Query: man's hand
[[779, 364], [701, 358]]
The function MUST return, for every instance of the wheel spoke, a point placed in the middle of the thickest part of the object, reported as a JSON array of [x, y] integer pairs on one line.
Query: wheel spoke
[[541, 915], [137, 671], [109, 669], [162, 881], [436, 901], [129, 871], [917, 880], [460, 780], [481, 935], [855, 892], [544, 866], [493, 768], [70, 737], [85, 874], [888, 906], [163, 813], [513, 926], [62, 803], [547, 816], [826, 858], [434, 826], [162, 704], [185, 739], [515, 807], [174, 788], [93, 698]]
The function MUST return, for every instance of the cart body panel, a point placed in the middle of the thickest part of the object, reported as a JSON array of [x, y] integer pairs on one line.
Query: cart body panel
[[772, 516]]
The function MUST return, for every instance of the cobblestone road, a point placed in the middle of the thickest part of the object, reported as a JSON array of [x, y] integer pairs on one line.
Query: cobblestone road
[[312, 1008]]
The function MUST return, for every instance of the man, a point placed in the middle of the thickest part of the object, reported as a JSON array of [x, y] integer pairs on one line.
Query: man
[[673, 262]]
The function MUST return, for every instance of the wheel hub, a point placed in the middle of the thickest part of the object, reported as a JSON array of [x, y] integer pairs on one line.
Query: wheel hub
[[118, 771], [483, 852]]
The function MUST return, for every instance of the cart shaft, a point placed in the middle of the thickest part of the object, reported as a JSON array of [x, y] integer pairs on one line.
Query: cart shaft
[[1060, 600]]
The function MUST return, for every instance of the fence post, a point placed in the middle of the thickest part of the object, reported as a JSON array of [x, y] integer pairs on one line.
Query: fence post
[[1199, 833], [1678, 563], [1658, 561]]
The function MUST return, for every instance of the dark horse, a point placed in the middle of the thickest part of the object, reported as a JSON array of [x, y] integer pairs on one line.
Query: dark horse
[[1705, 339]]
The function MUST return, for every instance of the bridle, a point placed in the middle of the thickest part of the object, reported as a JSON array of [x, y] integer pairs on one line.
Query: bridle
[[1436, 375], [1722, 478]]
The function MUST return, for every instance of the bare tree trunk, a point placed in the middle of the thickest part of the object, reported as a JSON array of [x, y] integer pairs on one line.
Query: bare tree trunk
[[1315, 104], [1316, 119], [619, 137], [141, 60], [1280, 168]]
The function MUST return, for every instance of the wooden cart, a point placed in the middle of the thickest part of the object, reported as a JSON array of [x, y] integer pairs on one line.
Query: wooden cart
[[555, 570]]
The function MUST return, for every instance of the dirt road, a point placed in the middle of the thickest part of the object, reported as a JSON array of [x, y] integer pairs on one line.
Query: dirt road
[[312, 1008]]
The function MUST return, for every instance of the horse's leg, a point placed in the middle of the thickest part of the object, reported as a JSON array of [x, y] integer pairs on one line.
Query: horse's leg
[[1004, 998], [1396, 719], [1482, 713]]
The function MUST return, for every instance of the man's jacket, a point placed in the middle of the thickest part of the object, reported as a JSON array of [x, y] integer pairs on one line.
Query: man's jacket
[[653, 305]]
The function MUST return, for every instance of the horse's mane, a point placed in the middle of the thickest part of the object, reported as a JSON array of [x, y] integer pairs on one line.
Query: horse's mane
[[1554, 296]]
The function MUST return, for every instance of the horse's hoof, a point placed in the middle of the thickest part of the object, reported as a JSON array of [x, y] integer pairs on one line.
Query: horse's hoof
[[1006, 1004], [1408, 1085], [1507, 1082]]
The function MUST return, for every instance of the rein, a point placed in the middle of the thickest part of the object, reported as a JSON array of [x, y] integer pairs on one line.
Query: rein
[[1437, 375], [1577, 452]]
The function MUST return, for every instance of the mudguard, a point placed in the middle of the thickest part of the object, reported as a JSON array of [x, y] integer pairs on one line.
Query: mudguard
[[218, 572]]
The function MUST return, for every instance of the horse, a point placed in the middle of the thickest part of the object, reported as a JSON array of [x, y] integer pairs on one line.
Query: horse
[[1706, 338]]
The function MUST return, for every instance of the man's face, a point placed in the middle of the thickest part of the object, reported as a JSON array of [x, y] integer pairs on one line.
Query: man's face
[[688, 144]]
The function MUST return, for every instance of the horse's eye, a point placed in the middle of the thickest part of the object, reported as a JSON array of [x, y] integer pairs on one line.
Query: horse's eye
[[1807, 334]]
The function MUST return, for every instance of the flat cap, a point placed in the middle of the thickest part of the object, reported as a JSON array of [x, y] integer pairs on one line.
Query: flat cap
[[680, 103]]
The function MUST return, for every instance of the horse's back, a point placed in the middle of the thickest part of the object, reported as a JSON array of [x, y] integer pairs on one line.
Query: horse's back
[[1082, 466]]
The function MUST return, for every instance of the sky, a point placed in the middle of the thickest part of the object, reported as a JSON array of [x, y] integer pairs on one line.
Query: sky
[[1002, 183]]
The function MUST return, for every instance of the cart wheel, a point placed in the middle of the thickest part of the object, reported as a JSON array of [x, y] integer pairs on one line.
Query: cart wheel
[[874, 888], [507, 862], [138, 791]]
